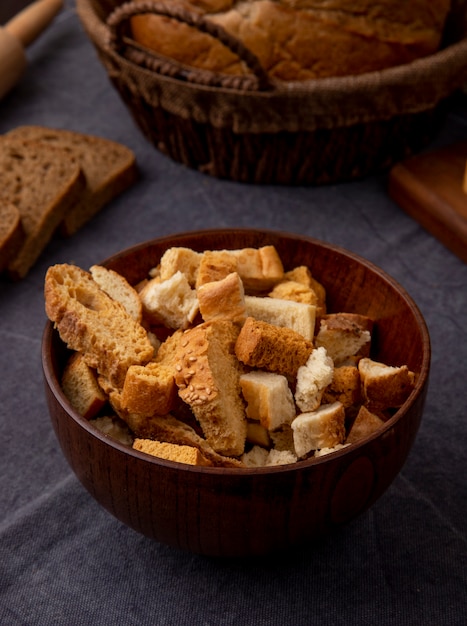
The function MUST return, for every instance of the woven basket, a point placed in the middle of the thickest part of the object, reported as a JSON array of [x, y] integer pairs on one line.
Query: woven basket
[[254, 129]]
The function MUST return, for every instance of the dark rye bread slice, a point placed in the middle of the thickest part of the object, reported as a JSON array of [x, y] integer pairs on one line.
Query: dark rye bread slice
[[42, 182], [109, 168], [12, 233]]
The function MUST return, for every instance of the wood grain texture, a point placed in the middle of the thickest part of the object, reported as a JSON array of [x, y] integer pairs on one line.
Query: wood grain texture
[[429, 187], [254, 511]]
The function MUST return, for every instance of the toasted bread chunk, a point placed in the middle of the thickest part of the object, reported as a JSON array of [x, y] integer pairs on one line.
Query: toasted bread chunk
[[222, 299], [323, 428], [312, 380], [91, 322], [257, 434], [259, 457], [215, 265], [302, 275], [118, 288], [345, 335], [259, 268], [269, 399], [345, 387], [364, 425], [171, 302], [171, 451], [207, 375], [115, 428], [298, 316], [79, 384], [385, 386], [179, 259], [264, 346], [149, 389]]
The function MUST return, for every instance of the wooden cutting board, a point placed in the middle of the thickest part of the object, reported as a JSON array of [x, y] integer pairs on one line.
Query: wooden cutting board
[[429, 188]]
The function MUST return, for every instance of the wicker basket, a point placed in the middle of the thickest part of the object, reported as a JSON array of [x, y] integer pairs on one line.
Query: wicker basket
[[254, 129]]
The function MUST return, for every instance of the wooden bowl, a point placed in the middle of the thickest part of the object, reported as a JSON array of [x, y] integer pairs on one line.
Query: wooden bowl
[[241, 512]]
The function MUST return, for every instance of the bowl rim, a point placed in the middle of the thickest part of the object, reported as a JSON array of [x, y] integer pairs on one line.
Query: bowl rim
[[421, 382]]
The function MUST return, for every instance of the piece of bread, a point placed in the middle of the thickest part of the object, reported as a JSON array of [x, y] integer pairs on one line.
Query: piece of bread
[[259, 268], [257, 434], [118, 288], [347, 37], [43, 183], [312, 380], [300, 286], [171, 302], [109, 168], [215, 265], [345, 335], [91, 322], [180, 259], [264, 346], [149, 389], [115, 428], [259, 457], [385, 386], [171, 451], [12, 233], [222, 299], [298, 316], [207, 375], [268, 397], [364, 425], [323, 428], [79, 384], [345, 387]]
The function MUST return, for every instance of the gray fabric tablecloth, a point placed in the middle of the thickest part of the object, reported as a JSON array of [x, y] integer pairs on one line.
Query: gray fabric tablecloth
[[64, 560]]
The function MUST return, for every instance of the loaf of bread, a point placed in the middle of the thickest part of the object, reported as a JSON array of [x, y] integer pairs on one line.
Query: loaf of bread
[[296, 41]]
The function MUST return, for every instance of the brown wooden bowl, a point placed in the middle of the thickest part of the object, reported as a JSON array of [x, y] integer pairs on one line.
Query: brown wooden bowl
[[240, 512]]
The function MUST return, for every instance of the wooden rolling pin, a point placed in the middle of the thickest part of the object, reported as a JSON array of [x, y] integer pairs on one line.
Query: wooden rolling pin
[[17, 34]]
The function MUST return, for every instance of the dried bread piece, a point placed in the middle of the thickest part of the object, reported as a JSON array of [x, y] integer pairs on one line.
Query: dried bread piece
[[215, 265], [259, 457], [345, 387], [312, 380], [300, 286], [298, 316], [117, 287], [364, 425], [259, 268], [12, 233], [257, 434], [180, 259], [109, 168], [171, 451], [91, 322], [268, 397], [264, 346], [385, 386], [115, 428], [323, 428], [149, 389], [345, 335], [222, 299], [170, 302], [79, 384], [207, 375], [43, 183]]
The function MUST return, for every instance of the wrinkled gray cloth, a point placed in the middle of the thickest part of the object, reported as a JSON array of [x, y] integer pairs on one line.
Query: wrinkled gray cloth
[[64, 560]]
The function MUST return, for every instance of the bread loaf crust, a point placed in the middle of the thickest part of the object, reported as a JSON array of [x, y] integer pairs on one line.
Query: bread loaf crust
[[297, 40]]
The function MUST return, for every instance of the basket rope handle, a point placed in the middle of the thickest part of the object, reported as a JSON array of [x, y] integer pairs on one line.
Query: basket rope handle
[[117, 21]]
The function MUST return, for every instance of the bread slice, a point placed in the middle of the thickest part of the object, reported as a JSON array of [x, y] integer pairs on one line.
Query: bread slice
[[43, 183], [207, 375], [79, 384], [109, 168], [323, 428], [91, 322], [118, 288], [171, 451], [12, 233]]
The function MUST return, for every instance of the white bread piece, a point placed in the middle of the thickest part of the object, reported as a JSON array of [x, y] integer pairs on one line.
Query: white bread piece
[[385, 386], [269, 399], [344, 335], [79, 384], [149, 389], [171, 302], [276, 349], [259, 457], [207, 375], [298, 316], [114, 427], [312, 380], [12, 233], [345, 386], [325, 451], [171, 451], [222, 299], [91, 322], [108, 167], [118, 288], [180, 259], [364, 425], [323, 428]]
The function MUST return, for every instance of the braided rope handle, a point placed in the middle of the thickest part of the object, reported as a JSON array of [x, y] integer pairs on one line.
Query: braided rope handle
[[117, 22]]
